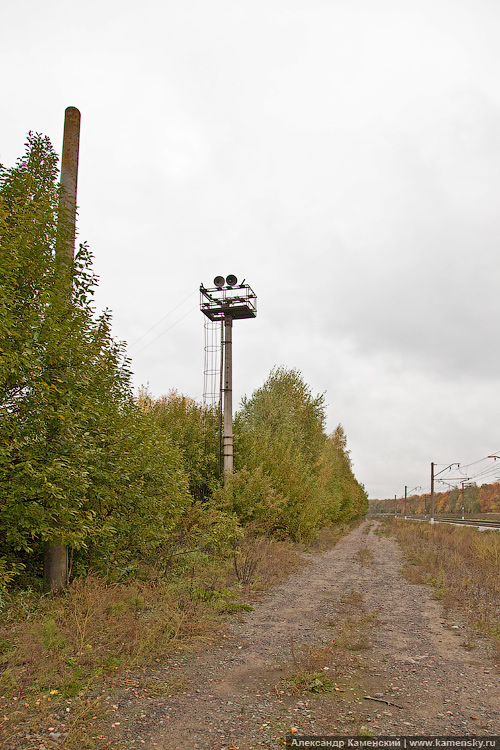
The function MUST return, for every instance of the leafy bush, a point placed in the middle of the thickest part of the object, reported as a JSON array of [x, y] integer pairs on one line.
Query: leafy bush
[[193, 428], [279, 432], [250, 495]]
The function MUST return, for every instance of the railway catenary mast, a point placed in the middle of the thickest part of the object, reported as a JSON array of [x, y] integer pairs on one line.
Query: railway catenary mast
[[227, 301]]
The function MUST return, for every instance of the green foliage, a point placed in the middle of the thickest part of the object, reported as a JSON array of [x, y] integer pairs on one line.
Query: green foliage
[[342, 497], [138, 489], [8, 571], [279, 429], [250, 495], [80, 463], [281, 443], [193, 428], [285, 407], [313, 682], [203, 531], [61, 374]]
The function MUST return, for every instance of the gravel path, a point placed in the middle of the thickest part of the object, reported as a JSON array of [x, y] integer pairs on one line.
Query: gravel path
[[409, 655]]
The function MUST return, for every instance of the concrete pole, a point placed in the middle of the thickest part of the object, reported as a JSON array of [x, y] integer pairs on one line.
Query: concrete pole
[[432, 493], [69, 179], [406, 497], [55, 559], [221, 391], [228, 395]]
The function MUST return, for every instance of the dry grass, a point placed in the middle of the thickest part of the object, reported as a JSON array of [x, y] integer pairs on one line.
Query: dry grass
[[260, 562], [364, 556], [462, 565], [353, 624], [57, 652], [327, 537], [61, 655]]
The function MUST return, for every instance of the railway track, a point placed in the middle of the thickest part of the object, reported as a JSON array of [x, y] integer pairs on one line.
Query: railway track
[[483, 523], [469, 522]]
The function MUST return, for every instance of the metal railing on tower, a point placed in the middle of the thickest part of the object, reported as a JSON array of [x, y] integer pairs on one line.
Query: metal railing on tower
[[224, 302]]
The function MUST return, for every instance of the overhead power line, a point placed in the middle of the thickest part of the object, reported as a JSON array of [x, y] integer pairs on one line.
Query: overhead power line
[[166, 329], [191, 294]]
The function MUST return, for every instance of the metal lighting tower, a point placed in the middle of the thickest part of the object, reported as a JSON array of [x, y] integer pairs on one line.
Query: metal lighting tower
[[227, 301]]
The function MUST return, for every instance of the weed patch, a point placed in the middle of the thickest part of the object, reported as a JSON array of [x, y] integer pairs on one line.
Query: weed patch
[[261, 562], [412, 573], [314, 668], [323, 668], [310, 681], [364, 556], [327, 537]]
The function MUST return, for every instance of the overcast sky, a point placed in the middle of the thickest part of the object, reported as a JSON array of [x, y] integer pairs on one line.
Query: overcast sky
[[342, 156]]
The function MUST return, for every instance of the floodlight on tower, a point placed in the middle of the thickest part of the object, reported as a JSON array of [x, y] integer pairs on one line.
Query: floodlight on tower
[[223, 304]]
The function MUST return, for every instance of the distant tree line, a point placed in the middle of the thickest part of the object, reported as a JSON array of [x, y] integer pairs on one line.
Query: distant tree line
[[476, 499], [121, 479]]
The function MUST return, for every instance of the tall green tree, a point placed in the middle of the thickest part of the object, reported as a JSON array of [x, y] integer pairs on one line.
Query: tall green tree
[[59, 368], [79, 461], [280, 438], [342, 496], [279, 429]]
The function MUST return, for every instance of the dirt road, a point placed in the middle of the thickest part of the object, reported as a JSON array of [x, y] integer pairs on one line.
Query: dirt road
[[347, 624]]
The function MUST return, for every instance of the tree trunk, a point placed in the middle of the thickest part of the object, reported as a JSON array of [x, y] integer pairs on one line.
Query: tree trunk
[[55, 567]]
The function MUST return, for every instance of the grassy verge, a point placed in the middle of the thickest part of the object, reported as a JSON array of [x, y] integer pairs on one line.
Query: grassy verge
[[462, 565], [60, 653], [62, 657]]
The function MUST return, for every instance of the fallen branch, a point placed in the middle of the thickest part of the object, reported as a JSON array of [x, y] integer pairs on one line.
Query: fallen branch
[[381, 700]]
